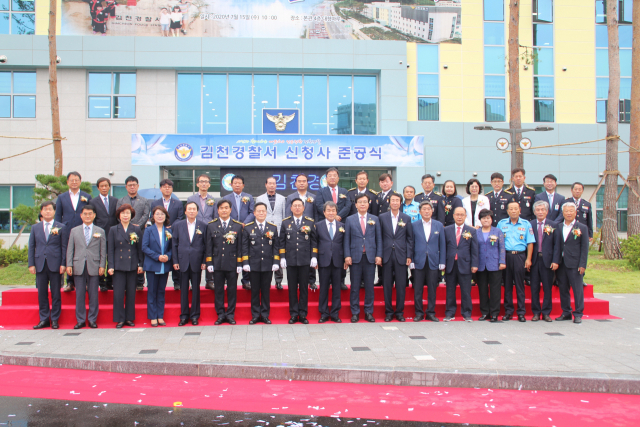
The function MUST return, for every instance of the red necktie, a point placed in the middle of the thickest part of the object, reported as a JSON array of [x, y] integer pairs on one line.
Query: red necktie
[[458, 232], [333, 194], [364, 229]]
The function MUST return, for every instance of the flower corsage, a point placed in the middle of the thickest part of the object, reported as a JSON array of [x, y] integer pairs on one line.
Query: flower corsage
[[493, 239], [269, 234], [230, 237], [305, 229], [466, 235], [133, 238]]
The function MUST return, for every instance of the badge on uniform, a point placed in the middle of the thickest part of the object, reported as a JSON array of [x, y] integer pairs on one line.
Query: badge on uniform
[[288, 236], [306, 237], [522, 237], [253, 242], [557, 207], [270, 242], [501, 206], [527, 204]]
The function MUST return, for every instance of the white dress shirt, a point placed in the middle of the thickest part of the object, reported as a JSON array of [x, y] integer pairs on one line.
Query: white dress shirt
[[426, 225], [394, 221], [191, 226], [297, 219], [566, 229], [333, 224], [261, 224], [303, 198], [166, 202], [161, 236], [518, 190], [74, 199], [44, 224]]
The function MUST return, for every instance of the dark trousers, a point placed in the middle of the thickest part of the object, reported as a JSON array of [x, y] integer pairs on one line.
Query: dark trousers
[[430, 278], [330, 278], [389, 270], [570, 278], [454, 279], [124, 283], [219, 279], [194, 275], [156, 285], [279, 275], [140, 279], [86, 284], [45, 279], [515, 274], [489, 289], [246, 278], [312, 276], [175, 276], [362, 271], [298, 281], [540, 273], [260, 287], [209, 277]]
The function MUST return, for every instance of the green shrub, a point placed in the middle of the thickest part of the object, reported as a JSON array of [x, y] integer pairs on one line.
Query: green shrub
[[631, 250], [13, 255]]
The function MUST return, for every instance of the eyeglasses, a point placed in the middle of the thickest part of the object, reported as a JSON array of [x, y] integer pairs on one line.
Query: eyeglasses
[[203, 182]]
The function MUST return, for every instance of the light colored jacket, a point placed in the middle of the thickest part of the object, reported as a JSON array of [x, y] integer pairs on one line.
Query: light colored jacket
[[94, 254], [483, 203], [275, 215]]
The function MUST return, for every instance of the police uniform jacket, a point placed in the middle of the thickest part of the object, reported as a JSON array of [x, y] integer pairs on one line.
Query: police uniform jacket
[[124, 249], [224, 247], [381, 204], [298, 245], [353, 192], [584, 213], [526, 200], [437, 202], [450, 205], [260, 250], [499, 204]]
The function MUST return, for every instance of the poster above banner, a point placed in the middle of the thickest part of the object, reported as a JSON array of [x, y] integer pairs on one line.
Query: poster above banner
[[434, 22], [276, 150]]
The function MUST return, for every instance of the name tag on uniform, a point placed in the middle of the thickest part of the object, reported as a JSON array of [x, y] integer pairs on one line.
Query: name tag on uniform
[[270, 242], [306, 237], [557, 207], [288, 236], [253, 242]]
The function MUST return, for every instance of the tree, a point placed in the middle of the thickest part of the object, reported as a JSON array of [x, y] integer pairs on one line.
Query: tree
[[515, 121], [53, 92], [633, 221], [609, 231]]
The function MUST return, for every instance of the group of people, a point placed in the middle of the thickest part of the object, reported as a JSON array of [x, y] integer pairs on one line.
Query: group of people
[[100, 14], [502, 238], [174, 20]]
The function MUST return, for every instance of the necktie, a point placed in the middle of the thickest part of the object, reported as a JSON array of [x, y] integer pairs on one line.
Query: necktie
[[46, 231], [550, 201], [496, 195], [224, 225], [519, 192], [106, 203], [202, 203], [458, 232], [334, 195], [238, 203], [331, 230], [261, 228], [364, 229], [87, 234], [298, 223], [539, 236]]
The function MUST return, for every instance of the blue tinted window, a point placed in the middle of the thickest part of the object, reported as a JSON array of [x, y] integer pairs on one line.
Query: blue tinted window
[[428, 109], [4, 23], [99, 107], [340, 105], [240, 103], [625, 11], [5, 106], [543, 10], [24, 106], [542, 35], [494, 60], [602, 87], [315, 104], [601, 13], [124, 83], [23, 23], [214, 103], [23, 5], [265, 95], [124, 107], [602, 39], [494, 33], [427, 58], [625, 88], [494, 86], [4, 4], [494, 110], [625, 33], [602, 62], [290, 91], [543, 62], [543, 110], [189, 102], [625, 62], [494, 10], [99, 83], [428, 85], [543, 87], [24, 82], [5, 82], [601, 111], [365, 105]]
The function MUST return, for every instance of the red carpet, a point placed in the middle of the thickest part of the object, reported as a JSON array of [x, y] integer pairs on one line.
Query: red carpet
[[19, 308], [441, 404]]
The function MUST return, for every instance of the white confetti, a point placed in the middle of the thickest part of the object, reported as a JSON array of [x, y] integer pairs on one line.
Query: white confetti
[[73, 392], [584, 401], [100, 394], [410, 409]]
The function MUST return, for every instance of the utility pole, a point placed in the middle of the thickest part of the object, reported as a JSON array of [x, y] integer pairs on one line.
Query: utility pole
[[53, 92]]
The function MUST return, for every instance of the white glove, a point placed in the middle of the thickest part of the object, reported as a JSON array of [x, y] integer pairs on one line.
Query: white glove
[[441, 267], [314, 263], [275, 267], [246, 268], [283, 263], [210, 269], [412, 266], [238, 270]]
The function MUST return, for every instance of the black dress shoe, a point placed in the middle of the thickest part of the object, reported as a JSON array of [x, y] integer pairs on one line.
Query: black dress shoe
[[336, 319], [293, 320], [354, 318], [119, 325], [80, 325], [68, 288], [183, 322], [231, 321], [343, 286], [176, 287], [54, 324], [139, 287], [313, 287], [209, 285], [577, 320], [507, 317], [563, 317], [323, 319], [194, 321], [377, 283], [388, 318], [400, 317], [304, 321], [521, 318], [418, 318], [546, 318], [369, 317], [219, 321], [253, 321], [129, 323], [103, 289], [93, 325], [483, 318], [494, 319], [246, 286], [535, 318], [43, 324], [279, 286], [432, 318], [266, 321]]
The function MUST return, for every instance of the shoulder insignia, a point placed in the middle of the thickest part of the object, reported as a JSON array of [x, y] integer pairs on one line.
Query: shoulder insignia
[[530, 188], [237, 222], [272, 224], [353, 189], [284, 219], [375, 192], [395, 192], [508, 192], [488, 192], [249, 223], [213, 220], [420, 194], [437, 194], [309, 219]]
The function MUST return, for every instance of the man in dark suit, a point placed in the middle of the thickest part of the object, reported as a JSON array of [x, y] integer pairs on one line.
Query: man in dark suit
[[397, 253], [362, 251], [436, 199], [206, 213], [68, 210], [47, 260], [333, 193], [189, 237], [174, 208], [430, 258], [241, 210], [462, 262], [550, 196], [499, 198], [224, 259], [298, 253], [544, 261], [260, 258], [330, 262], [584, 213], [573, 239], [380, 206], [105, 218], [522, 193], [362, 181]]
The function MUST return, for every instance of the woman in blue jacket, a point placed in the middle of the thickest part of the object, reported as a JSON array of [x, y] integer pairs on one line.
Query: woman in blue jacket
[[491, 260], [156, 245]]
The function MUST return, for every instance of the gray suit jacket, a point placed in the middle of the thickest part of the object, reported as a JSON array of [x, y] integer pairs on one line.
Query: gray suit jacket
[[276, 214], [209, 213], [142, 207], [309, 208], [94, 254]]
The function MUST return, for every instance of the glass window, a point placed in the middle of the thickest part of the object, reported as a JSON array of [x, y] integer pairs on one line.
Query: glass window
[[182, 180], [494, 10], [290, 91], [15, 20], [24, 82], [365, 105], [4, 4], [602, 36], [494, 110], [428, 109], [23, 5], [428, 85], [340, 105], [5, 199], [543, 110], [602, 87], [23, 195], [214, 103], [119, 191], [625, 33], [625, 11], [494, 60], [625, 88], [5, 27], [24, 106], [189, 101], [124, 83], [99, 107], [5, 82], [124, 107], [494, 33], [601, 111], [315, 104], [543, 35], [107, 85], [602, 62], [265, 95], [543, 87], [543, 10], [5, 219], [240, 103], [494, 86], [625, 62], [99, 83], [427, 58], [601, 13], [543, 62], [5, 106]]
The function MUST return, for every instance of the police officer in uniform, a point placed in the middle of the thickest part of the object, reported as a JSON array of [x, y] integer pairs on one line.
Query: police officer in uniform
[[523, 194], [436, 199], [260, 259], [362, 180], [224, 260], [498, 198], [298, 253], [381, 205]]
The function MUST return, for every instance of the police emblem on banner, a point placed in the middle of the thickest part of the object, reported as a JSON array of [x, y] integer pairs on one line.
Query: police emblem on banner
[[276, 120], [183, 152]]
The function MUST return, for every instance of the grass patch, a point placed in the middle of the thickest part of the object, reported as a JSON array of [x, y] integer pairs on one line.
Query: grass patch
[[611, 276], [16, 274]]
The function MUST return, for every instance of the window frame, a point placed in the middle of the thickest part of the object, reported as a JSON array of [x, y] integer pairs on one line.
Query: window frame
[[437, 73], [10, 12], [538, 48], [13, 232], [112, 96], [12, 94], [486, 98]]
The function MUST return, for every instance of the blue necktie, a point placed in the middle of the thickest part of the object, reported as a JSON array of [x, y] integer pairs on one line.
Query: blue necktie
[[46, 231], [87, 234], [106, 203], [331, 230]]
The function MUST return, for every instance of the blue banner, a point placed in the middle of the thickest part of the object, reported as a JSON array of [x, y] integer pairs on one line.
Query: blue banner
[[276, 150]]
